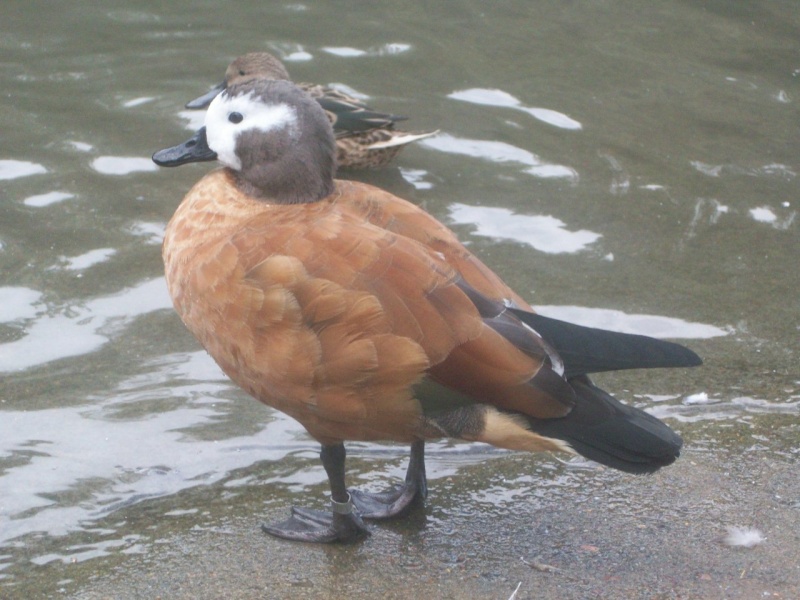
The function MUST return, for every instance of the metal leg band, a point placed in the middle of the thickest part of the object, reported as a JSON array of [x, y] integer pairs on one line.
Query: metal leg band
[[342, 508]]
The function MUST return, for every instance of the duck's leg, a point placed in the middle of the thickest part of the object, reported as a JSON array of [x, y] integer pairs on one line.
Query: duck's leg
[[386, 505], [342, 524]]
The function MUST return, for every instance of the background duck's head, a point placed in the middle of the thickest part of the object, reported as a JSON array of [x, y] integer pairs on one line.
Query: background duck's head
[[276, 139], [253, 65]]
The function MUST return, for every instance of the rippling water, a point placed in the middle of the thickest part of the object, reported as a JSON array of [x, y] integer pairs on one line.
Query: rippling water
[[635, 170]]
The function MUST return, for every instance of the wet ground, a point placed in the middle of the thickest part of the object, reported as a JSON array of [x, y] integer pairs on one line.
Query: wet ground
[[556, 531], [630, 168]]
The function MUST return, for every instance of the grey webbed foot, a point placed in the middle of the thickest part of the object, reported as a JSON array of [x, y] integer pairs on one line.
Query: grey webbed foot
[[400, 499], [343, 524]]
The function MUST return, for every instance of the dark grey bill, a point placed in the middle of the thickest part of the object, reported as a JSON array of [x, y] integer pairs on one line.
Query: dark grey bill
[[195, 149], [204, 100]]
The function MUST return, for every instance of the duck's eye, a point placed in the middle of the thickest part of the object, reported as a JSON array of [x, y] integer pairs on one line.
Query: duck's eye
[[242, 73], [235, 117]]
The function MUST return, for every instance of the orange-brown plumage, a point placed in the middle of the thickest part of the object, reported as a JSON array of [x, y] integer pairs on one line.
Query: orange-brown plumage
[[364, 318], [331, 311]]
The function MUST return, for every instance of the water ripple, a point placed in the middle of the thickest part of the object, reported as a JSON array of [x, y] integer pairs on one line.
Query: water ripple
[[122, 165], [111, 462], [716, 409], [18, 303], [41, 200], [87, 259], [503, 99], [77, 329], [13, 169], [382, 50], [500, 152], [616, 320], [545, 233]]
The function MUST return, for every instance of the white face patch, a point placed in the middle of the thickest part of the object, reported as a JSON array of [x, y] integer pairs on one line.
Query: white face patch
[[223, 130]]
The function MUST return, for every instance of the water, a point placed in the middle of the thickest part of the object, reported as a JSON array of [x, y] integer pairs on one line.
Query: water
[[627, 168]]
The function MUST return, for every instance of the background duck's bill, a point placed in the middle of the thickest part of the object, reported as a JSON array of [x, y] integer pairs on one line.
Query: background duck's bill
[[204, 100]]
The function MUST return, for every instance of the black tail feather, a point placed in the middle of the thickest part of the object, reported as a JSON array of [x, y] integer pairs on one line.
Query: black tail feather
[[603, 429], [590, 350]]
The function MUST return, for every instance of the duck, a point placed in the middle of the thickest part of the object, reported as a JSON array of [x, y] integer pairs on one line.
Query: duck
[[365, 139], [364, 318]]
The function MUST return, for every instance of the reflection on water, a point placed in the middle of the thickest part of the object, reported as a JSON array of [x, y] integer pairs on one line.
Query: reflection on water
[[85, 463], [13, 169], [770, 170], [384, 49], [122, 165], [137, 101], [504, 99], [76, 329], [699, 407], [680, 164], [80, 552], [18, 303], [615, 320], [80, 146], [41, 200], [194, 118], [87, 259], [499, 152], [546, 234], [768, 215]]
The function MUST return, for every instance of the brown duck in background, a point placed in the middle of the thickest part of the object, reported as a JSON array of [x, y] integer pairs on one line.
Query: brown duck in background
[[361, 316], [364, 138]]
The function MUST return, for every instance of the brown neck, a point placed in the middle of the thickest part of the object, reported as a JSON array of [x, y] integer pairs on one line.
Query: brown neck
[[286, 181]]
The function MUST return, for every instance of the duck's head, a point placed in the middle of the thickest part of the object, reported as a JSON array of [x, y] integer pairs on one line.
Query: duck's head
[[272, 135], [254, 65]]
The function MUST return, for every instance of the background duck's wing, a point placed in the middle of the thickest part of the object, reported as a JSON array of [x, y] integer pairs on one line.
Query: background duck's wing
[[349, 116]]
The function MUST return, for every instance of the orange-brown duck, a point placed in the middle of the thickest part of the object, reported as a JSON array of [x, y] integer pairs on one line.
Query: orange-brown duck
[[364, 138], [364, 318]]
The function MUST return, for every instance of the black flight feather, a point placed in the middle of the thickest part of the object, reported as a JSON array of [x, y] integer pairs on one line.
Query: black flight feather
[[591, 350]]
